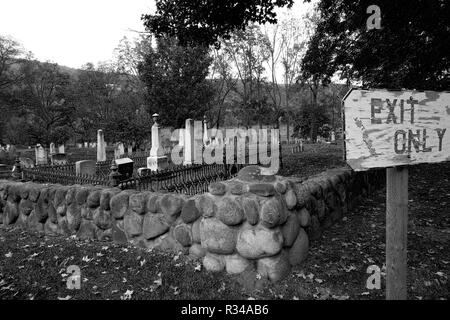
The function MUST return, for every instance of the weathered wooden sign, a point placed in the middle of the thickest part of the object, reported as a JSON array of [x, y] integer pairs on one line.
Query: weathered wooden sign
[[391, 128]]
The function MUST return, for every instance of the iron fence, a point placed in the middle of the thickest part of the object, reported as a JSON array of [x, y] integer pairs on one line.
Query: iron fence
[[61, 168], [48, 175], [190, 179]]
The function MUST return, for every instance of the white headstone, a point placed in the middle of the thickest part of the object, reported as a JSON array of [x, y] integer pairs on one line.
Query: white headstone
[[61, 149], [119, 150], [206, 138], [41, 155], [156, 150], [189, 150], [157, 160], [52, 148], [85, 167], [101, 146]]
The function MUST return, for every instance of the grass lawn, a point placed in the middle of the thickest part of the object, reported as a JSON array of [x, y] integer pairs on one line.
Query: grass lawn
[[33, 266]]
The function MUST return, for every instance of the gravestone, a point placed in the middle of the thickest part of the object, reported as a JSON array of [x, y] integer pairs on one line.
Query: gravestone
[[125, 168], [189, 142], [206, 136], [143, 171], [119, 150], [101, 146], [61, 149], [52, 148], [41, 155], [85, 167], [157, 159], [59, 158]]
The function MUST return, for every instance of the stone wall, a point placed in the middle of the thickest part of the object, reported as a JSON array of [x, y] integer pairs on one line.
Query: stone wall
[[254, 222]]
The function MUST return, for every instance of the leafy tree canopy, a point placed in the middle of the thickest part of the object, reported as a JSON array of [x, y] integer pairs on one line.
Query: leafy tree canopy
[[175, 77], [202, 22], [411, 50]]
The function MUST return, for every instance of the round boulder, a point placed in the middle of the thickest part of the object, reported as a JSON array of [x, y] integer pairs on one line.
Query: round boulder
[[291, 199], [213, 262], [299, 250], [290, 230], [235, 264], [251, 210], [119, 204], [197, 251], [304, 217], [206, 205], [26, 206], [102, 218], [275, 268], [196, 231], [273, 213], [183, 234], [93, 200], [217, 237], [190, 212], [73, 215], [171, 204], [259, 242], [217, 188], [255, 174], [137, 203], [262, 189], [132, 223], [155, 225], [229, 212]]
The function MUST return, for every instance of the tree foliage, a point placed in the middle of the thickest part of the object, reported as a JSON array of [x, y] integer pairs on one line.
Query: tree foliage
[[44, 95], [175, 77], [203, 22], [409, 51]]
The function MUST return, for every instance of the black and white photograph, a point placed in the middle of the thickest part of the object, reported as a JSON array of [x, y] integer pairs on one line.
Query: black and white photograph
[[225, 158]]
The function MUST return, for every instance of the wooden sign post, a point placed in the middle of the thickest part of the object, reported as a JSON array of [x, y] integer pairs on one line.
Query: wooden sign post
[[394, 129], [396, 232]]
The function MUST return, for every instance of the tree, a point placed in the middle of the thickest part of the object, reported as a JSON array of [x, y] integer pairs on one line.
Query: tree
[[10, 52], [175, 77], [203, 22], [44, 95], [317, 70], [105, 101], [409, 51], [248, 52], [223, 82], [129, 55]]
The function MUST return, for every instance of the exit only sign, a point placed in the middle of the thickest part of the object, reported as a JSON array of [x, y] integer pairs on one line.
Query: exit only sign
[[393, 128]]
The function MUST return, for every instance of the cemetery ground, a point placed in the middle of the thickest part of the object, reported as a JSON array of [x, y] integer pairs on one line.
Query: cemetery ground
[[33, 266]]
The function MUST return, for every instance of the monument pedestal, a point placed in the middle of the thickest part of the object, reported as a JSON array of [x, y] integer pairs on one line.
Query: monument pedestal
[[157, 163]]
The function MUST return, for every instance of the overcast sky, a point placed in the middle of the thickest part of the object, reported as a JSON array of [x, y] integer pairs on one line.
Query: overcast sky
[[74, 32]]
